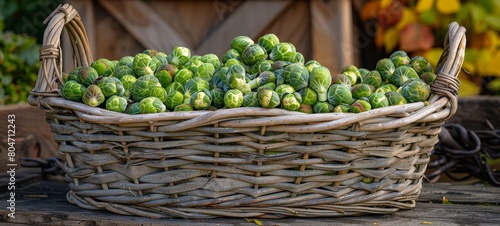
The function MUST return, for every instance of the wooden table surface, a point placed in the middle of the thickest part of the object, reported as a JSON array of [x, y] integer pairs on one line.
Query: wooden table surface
[[41, 201]]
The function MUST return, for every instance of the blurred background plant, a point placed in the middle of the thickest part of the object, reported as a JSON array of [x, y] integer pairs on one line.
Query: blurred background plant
[[419, 27]]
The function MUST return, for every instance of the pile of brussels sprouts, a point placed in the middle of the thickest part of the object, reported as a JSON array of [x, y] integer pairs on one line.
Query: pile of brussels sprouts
[[266, 74]]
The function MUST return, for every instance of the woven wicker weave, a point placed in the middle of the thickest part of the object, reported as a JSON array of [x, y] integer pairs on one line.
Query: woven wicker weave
[[245, 162]]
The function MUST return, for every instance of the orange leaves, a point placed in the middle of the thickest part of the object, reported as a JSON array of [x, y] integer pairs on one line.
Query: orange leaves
[[416, 37]]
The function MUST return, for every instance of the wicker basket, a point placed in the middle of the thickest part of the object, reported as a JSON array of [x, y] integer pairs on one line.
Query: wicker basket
[[244, 162]]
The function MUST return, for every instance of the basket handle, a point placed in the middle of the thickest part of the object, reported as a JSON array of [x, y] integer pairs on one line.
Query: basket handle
[[449, 66], [50, 74]]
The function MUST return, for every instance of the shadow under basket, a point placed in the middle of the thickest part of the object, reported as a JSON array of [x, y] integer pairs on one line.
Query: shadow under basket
[[243, 162]]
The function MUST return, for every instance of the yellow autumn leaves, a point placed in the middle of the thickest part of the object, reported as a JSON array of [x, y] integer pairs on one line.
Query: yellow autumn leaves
[[445, 7]]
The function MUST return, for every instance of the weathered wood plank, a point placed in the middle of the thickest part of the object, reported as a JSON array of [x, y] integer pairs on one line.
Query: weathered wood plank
[[459, 193]]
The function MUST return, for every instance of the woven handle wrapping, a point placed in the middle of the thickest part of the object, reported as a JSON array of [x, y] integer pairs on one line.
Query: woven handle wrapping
[[50, 74]]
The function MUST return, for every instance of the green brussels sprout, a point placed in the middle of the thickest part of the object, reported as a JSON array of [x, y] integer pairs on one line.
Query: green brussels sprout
[[395, 98], [240, 43], [194, 65], [291, 101], [151, 105], [399, 58], [360, 106], [180, 55], [205, 71], [93, 96], [72, 76], [268, 98], [403, 74], [320, 80], [232, 62], [115, 63], [296, 75], [305, 108], [420, 64], [160, 93], [73, 90], [116, 103], [270, 85], [201, 100], [361, 90], [194, 85], [128, 82], [175, 86], [342, 108], [268, 41], [211, 59], [341, 79], [183, 107], [278, 74], [237, 79], [284, 51], [173, 99], [339, 94], [311, 64], [263, 78], [428, 77], [253, 53], [165, 74], [217, 97], [373, 78], [107, 85], [233, 98], [150, 52], [353, 69], [126, 61], [386, 88], [183, 76], [143, 65], [122, 70], [323, 107], [386, 68], [104, 67], [86, 76], [299, 58], [280, 64], [363, 71], [159, 61], [265, 65], [231, 54], [133, 108], [120, 89], [251, 100], [309, 96], [415, 91], [378, 100], [284, 89], [143, 86]]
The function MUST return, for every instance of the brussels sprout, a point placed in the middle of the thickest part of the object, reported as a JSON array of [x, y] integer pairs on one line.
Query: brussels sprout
[[363, 71], [211, 59], [128, 82], [165, 74], [201, 100], [126, 61], [86, 76], [386, 68], [265, 65], [361, 90], [323, 107], [403, 74], [180, 55], [280, 64], [93, 96], [270, 85], [305, 108], [143, 65], [268, 41], [253, 53], [386, 88], [133, 108], [173, 99], [232, 62], [263, 78], [237, 79], [205, 71], [158, 61], [360, 106], [309, 96], [120, 89], [284, 51], [268, 98], [194, 85], [342, 108], [291, 101], [72, 76], [341, 79], [373, 78], [251, 100], [217, 97], [279, 76], [107, 85], [116, 103], [104, 67], [73, 90], [240, 43], [160, 93], [183, 107], [151, 105], [194, 65], [399, 58], [284, 89], [231, 54], [150, 52], [122, 70], [175, 86], [183, 76], [339, 94], [311, 64], [420, 64], [143, 86], [415, 91], [395, 98], [353, 73], [296, 75], [299, 58], [428, 77], [378, 100], [320, 80], [233, 98]]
